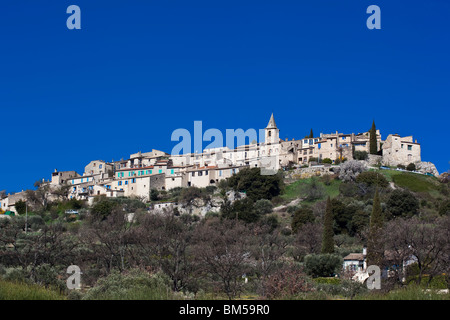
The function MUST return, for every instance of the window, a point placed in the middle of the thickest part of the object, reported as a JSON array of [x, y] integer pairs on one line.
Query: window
[[100, 166], [193, 174], [402, 145], [81, 180], [331, 145], [126, 182], [409, 147], [120, 183], [220, 173], [206, 172], [171, 171], [151, 171], [160, 171], [305, 141], [270, 133], [200, 173]]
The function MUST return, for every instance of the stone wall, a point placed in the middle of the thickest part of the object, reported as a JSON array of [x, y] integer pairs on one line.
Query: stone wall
[[373, 159], [304, 173]]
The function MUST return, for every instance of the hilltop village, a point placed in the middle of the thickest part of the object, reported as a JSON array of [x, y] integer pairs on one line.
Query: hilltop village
[[158, 170]]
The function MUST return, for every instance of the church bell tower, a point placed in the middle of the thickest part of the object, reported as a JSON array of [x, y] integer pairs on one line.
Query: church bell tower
[[272, 132]]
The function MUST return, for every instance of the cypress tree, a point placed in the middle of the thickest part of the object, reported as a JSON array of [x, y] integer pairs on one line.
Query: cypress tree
[[311, 134], [374, 241], [327, 237], [373, 139]]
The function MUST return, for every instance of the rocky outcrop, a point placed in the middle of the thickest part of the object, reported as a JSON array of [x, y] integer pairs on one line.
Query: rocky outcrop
[[426, 167]]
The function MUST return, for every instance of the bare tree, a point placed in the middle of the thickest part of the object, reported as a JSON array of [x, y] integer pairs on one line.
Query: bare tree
[[424, 242], [108, 239], [267, 250], [308, 240], [50, 245], [223, 249]]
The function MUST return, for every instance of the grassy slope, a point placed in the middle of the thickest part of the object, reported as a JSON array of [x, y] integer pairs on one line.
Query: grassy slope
[[412, 181], [21, 291], [293, 190]]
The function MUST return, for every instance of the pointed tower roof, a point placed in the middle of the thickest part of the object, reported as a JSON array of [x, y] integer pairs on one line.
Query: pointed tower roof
[[271, 124]]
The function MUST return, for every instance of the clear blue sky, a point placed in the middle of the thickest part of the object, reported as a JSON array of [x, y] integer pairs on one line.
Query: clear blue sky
[[137, 70]]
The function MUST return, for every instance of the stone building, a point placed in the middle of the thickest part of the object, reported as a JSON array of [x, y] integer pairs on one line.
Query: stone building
[[400, 150], [62, 177]]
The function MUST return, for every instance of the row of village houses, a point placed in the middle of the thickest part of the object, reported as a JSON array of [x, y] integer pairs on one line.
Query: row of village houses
[[158, 170]]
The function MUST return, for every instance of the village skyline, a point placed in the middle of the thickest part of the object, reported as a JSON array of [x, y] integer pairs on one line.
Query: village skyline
[[127, 79]]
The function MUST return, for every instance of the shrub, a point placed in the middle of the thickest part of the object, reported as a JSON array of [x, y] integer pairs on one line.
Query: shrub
[[154, 195], [263, 206], [411, 167], [339, 161], [35, 222], [287, 282], [210, 189], [256, 185], [372, 178], [360, 155], [302, 216], [444, 208], [313, 190], [103, 209], [325, 280], [133, 285], [348, 189], [401, 166], [20, 207], [344, 288], [16, 275], [402, 203], [271, 221], [327, 161], [326, 179], [322, 265], [350, 170], [243, 209]]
